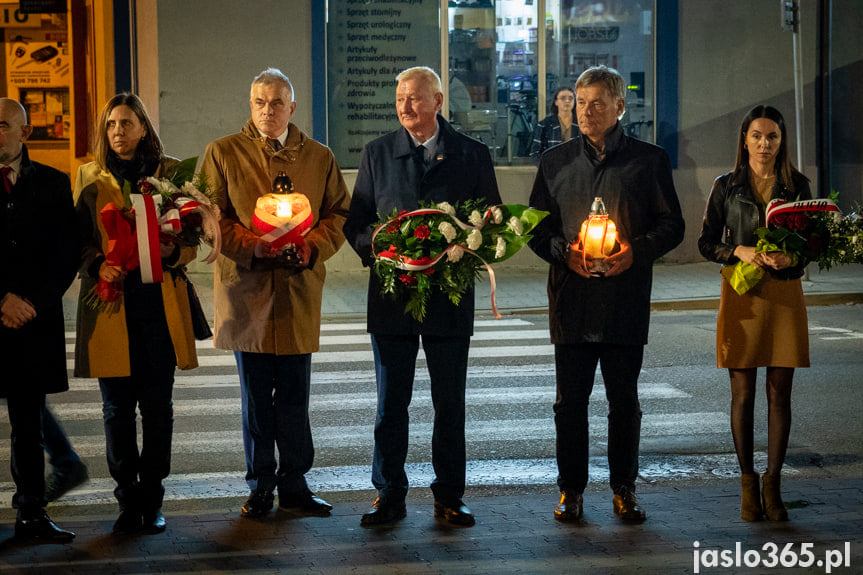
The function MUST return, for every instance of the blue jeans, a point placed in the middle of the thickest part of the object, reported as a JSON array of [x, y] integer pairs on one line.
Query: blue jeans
[[395, 364], [61, 455], [576, 367], [276, 414]]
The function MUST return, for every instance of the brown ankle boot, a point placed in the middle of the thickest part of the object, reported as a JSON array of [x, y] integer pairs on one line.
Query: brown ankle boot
[[771, 500], [750, 501]]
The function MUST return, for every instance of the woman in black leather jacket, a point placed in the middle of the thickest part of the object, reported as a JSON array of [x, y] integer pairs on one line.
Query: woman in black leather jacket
[[767, 325]]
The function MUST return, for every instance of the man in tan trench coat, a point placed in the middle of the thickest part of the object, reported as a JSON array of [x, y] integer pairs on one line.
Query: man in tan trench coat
[[267, 305]]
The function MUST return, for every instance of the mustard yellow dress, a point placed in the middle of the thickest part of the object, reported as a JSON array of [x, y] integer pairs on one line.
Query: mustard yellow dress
[[766, 326]]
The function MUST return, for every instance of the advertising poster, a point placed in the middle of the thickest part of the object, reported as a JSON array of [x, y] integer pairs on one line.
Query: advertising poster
[[39, 67], [369, 43]]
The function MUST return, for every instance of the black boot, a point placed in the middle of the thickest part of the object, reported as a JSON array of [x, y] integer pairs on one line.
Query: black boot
[[129, 498], [151, 506]]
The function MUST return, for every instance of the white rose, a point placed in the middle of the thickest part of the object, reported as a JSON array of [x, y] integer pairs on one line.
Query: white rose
[[474, 239], [497, 214], [448, 231], [515, 225], [500, 248], [455, 253], [475, 218], [446, 208]]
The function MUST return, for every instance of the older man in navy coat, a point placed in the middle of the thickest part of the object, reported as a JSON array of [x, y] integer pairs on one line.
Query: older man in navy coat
[[39, 254], [425, 160]]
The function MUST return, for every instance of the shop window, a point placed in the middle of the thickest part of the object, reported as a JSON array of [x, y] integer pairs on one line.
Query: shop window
[[506, 58], [494, 61], [48, 111], [616, 33]]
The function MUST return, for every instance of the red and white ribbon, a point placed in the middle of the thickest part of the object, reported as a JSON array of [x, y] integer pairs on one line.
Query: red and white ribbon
[[777, 207], [280, 231], [147, 227], [409, 264]]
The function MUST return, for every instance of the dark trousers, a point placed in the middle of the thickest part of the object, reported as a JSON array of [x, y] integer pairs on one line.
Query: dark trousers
[[149, 388], [576, 367], [61, 455], [248, 442], [395, 364], [27, 460], [276, 389]]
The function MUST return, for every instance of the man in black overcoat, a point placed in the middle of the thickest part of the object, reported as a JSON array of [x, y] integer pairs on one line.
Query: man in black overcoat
[[39, 255], [425, 160], [602, 319]]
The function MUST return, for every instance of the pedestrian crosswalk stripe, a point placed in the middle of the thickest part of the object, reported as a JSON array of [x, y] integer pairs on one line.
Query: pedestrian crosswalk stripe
[[348, 478], [332, 402], [340, 436], [476, 352]]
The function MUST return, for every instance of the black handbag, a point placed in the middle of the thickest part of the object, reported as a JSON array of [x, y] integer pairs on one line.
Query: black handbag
[[200, 326]]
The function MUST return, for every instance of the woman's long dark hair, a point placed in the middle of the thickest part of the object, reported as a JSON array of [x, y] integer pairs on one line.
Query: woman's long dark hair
[[554, 109], [149, 150], [783, 167]]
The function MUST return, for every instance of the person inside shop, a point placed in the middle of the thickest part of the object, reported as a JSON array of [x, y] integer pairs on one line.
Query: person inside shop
[[604, 318], [40, 252], [748, 323], [426, 159], [268, 305], [559, 126], [133, 344]]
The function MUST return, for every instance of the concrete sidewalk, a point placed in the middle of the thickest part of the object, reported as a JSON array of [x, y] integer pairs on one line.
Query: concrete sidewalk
[[515, 533], [523, 290]]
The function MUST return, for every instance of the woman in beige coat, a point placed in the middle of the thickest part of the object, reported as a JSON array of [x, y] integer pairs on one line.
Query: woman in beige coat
[[133, 345]]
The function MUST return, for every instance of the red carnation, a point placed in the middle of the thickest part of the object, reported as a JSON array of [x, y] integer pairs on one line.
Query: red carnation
[[422, 232], [108, 291], [390, 253], [393, 227], [408, 280]]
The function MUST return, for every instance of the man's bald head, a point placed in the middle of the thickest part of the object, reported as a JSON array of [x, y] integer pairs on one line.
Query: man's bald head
[[14, 129]]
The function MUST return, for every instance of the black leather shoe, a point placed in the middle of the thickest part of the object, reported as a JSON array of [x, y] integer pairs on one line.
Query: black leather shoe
[[455, 512], [626, 507], [129, 521], [571, 506], [154, 521], [384, 511], [258, 504], [58, 483], [304, 501], [40, 526]]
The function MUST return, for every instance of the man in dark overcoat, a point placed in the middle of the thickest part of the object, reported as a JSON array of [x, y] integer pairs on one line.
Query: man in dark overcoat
[[602, 319], [39, 254], [425, 160]]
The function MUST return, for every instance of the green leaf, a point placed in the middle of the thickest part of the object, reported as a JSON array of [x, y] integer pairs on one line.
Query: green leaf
[[183, 172], [127, 193]]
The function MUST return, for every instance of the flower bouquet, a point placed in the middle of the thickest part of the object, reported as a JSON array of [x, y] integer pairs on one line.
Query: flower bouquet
[[177, 208], [444, 247], [812, 229]]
